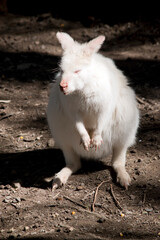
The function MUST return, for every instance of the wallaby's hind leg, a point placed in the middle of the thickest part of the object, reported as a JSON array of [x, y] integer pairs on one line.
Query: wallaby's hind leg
[[73, 164], [118, 163]]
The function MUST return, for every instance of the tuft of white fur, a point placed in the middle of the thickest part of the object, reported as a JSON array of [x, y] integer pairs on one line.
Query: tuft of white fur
[[92, 112]]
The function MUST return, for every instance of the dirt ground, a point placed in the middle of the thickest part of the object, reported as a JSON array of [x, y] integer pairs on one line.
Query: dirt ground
[[29, 56]]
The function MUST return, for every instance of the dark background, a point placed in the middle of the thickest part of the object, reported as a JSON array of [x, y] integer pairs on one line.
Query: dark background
[[106, 11]]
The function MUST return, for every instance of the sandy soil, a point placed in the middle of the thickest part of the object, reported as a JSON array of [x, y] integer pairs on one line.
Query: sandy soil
[[29, 54]]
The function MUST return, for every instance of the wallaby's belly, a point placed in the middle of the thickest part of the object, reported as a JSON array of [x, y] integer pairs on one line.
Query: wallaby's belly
[[66, 136]]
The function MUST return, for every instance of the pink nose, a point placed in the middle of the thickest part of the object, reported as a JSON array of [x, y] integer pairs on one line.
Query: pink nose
[[63, 85]]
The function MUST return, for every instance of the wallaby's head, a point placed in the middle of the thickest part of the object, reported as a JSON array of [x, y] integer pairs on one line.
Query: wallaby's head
[[76, 61]]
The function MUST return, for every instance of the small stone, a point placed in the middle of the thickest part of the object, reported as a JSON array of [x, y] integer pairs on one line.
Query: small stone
[[16, 185], [78, 188], [140, 203], [16, 200], [39, 137], [26, 228], [37, 42], [132, 197], [137, 172], [139, 160], [68, 229], [71, 229], [7, 199], [7, 186], [127, 212], [11, 230], [133, 151], [51, 142], [30, 47], [101, 220], [148, 209], [43, 47]]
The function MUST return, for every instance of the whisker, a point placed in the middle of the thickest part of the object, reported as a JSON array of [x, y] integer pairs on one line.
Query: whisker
[[55, 70]]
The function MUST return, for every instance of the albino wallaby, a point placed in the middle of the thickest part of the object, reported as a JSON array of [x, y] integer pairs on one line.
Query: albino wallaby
[[92, 112]]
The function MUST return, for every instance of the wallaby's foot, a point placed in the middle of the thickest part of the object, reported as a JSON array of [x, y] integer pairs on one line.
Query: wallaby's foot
[[123, 178], [61, 178]]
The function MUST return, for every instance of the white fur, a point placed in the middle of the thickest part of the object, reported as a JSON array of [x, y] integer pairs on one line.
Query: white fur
[[96, 112]]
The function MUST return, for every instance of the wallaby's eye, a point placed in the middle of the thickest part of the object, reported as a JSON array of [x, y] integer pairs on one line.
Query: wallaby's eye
[[77, 71]]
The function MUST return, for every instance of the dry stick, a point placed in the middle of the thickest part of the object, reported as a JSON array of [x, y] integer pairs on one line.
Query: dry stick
[[73, 201], [5, 101], [83, 208], [95, 196], [114, 198], [140, 100], [6, 116], [144, 198]]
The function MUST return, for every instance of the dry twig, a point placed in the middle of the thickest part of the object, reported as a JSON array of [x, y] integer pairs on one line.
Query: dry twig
[[6, 116], [73, 201], [83, 208], [114, 198], [144, 198], [95, 195], [140, 100], [5, 101]]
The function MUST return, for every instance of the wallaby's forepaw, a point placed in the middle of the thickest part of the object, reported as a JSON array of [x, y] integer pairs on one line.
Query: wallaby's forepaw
[[124, 179], [56, 183], [96, 141], [85, 141], [60, 178]]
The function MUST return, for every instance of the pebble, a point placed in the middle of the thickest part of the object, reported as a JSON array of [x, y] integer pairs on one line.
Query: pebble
[[16, 185], [43, 47], [16, 200], [132, 197], [78, 188], [11, 230], [68, 229], [133, 151], [2, 186], [127, 212], [139, 160], [37, 42], [148, 209], [101, 220], [26, 228], [7, 186], [51, 142], [7, 199]]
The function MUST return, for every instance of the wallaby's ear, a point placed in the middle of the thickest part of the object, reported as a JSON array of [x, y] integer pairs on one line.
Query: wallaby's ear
[[65, 40], [95, 44]]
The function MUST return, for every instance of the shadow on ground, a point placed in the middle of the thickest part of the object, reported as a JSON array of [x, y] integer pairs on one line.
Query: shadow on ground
[[32, 66], [30, 168]]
